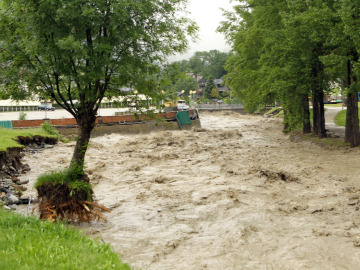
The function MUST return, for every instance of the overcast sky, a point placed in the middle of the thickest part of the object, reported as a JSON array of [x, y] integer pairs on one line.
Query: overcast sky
[[208, 16]]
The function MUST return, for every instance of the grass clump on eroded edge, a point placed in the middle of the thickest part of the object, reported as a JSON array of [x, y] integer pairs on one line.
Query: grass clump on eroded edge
[[68, 177], [27, 243], [8, 136]]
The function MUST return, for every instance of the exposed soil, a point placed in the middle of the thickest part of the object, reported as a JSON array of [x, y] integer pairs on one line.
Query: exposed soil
[[10, 162], [55, 203], [236, 194], [11, 159]]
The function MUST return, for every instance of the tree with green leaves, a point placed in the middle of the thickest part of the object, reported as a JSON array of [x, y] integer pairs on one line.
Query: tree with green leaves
[[215, 93], [76, 52], [210, 85], [187, 84], [208, 63]]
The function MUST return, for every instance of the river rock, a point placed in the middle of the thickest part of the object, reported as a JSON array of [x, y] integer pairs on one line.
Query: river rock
[[15, 179], [12, 199], [13, 207], [23, 182], [48, 146], [19, 187]]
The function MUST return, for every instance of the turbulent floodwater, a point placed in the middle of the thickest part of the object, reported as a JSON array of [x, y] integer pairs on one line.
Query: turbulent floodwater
[[236, 194]]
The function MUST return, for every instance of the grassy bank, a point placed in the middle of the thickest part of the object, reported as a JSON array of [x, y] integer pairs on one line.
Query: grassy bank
[[336, 105], [340, 118], [28, 243], [8, 136]]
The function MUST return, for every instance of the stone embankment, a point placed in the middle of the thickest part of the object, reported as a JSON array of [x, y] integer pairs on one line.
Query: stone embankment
[[11, 169]]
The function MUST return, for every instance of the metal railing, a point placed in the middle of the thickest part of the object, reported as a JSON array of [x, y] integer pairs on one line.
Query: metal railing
[[18, 108], [220, 106]]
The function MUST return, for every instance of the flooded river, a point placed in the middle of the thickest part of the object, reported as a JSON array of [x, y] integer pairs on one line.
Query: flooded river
[[236, 194]]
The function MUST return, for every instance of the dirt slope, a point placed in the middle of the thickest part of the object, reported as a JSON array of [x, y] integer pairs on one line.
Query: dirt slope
[[237, 194]]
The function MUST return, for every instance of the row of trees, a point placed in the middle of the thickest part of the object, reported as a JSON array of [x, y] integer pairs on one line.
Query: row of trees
[[290, 50]]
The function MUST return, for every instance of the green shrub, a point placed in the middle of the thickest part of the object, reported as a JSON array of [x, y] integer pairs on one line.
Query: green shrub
[[46, 126], [261, 109], [22, 116]]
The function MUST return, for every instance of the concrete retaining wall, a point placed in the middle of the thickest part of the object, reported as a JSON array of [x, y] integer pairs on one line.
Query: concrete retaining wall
[[99, 120], [136, 128], [125, 124]]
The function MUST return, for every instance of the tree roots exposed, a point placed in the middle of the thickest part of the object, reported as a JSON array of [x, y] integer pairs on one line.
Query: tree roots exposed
[[55, 202]]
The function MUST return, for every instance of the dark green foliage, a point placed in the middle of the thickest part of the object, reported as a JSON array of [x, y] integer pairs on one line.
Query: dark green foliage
[[209, 63], [286, 51], [210, 85]]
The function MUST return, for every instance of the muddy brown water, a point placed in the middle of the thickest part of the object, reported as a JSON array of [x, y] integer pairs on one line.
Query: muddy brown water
[[236, 194]]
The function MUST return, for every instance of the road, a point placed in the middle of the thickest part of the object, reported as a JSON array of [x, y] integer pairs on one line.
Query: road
[[330, 114]]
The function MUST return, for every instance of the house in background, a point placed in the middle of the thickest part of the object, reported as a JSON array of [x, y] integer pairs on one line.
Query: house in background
[[221, 86]]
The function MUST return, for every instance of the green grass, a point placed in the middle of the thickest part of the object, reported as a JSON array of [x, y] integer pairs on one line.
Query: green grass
[[27, 243], [8, 136], [67, 177], [333, 105], [273, 110], [340, 118], [336, 105]]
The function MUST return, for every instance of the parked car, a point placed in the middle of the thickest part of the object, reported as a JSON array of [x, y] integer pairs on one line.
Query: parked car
[[181, 105], [46, 107]]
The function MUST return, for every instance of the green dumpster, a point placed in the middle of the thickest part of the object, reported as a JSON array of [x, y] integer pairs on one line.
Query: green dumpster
[[6, 124], [183, 118]]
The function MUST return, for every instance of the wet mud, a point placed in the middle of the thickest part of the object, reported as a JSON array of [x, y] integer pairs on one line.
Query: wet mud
[[235, 194]]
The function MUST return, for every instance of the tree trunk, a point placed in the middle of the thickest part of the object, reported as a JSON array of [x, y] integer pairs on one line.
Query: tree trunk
[[86, 123], [316, 113], [286, 122], [318, 102], [352, 134], [306, 115], [322, 129]]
